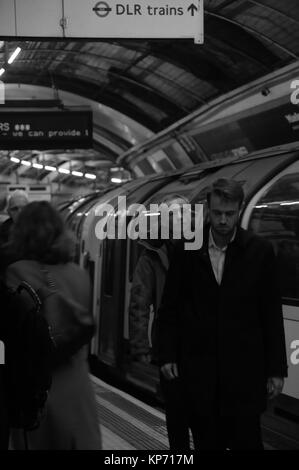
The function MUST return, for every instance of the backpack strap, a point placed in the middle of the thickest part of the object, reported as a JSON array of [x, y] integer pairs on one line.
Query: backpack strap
[[33, 294]]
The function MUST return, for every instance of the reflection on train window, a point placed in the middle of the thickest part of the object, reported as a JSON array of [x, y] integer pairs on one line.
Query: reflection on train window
[[276, 217], [108, 251]]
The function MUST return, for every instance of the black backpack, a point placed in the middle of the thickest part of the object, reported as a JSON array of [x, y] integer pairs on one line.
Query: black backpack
[[28, 355]]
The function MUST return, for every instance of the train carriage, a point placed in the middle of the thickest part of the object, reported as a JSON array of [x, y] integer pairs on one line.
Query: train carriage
[[270, 179]]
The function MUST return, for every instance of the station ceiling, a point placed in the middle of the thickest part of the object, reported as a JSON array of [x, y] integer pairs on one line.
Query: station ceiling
[[154, 83]]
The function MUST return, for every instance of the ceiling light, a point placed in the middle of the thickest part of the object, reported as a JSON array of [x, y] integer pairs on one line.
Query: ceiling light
[[77, 173], [289, 203], [14, 55], [2, 71], [14, 159], [90, 176], [50, 168], [38, 166], [24, 162], [115, 168], [64, 170], [116, 180]]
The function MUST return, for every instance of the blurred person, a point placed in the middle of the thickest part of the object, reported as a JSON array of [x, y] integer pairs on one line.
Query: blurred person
[[221, 327], [42, 245], [146, 293], [15, 203]]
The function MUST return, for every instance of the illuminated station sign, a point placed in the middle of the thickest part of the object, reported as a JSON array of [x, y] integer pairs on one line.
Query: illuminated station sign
[[45, 130]]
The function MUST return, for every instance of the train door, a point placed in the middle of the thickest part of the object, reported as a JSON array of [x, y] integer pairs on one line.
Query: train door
[[109, 256], [106, 257], [274, 214], [112, 293], [91, 253], [91, 258]]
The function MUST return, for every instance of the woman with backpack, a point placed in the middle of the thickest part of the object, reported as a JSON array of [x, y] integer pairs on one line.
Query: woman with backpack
[[45, 254]]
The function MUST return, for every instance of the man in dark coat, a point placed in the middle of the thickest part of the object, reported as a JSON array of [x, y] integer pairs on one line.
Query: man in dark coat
[[221, 327]]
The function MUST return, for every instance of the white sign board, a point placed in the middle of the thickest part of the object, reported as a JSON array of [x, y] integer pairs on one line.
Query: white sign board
[[7, 18], [42, 17], [133, 19], [102, 19], [30, 18]]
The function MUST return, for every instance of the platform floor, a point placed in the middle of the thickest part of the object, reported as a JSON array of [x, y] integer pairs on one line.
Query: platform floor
[[129, 424]]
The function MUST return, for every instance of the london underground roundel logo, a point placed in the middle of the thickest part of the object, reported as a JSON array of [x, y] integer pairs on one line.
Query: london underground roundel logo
[[102, 9]]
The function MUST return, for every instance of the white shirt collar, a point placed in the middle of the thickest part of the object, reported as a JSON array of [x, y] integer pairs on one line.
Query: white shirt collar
[[212, 243]]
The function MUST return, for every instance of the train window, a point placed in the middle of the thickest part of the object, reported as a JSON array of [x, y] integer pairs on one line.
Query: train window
[[231, 141], [276, 217]]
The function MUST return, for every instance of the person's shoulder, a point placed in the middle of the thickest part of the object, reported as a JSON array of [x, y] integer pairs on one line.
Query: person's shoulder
[[21, 264], [71, 266], [7, 222]]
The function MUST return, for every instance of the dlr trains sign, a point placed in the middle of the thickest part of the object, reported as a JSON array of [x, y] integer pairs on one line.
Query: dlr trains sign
[[101, 19]]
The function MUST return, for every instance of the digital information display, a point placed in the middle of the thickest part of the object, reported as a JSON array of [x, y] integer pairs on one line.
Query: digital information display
[[43, 130], [278, 125]]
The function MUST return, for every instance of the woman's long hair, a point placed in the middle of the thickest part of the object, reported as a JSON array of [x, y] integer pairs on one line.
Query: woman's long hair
[[40, 234]]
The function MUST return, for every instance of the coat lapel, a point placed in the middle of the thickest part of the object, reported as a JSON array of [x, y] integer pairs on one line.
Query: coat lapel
[[202, 263], [201, 267], [233, 256]]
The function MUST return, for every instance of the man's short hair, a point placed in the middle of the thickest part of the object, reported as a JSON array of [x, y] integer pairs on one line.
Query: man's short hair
[[15, 197], [227, 190]]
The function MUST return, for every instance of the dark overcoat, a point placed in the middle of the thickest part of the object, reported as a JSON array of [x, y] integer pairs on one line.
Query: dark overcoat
[[227, 339]]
